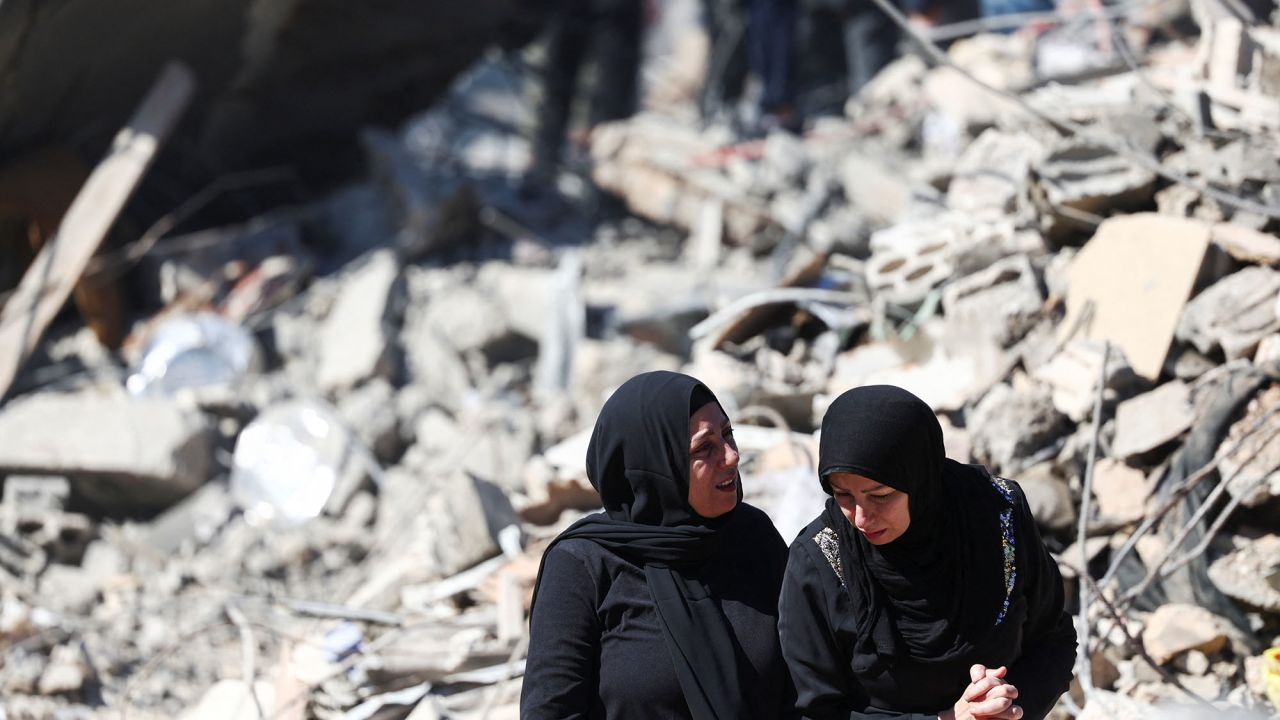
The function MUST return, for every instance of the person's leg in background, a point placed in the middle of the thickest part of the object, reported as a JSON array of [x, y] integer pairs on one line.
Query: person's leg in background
[[771, 37], [616, 46], [566, 39], [870, 42]]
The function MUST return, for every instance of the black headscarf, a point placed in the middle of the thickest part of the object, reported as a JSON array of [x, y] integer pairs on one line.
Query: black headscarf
[[638, 460], [935, 592]]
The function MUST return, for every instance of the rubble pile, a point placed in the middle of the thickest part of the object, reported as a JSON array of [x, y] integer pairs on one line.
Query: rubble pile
[[317, 482]]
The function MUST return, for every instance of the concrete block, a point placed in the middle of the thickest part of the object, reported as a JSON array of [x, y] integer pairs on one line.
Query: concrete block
[[1235, 313], [354, 340], [121, 454], [1152, 419]]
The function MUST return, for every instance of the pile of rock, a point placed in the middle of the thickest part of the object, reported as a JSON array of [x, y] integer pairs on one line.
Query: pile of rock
[[318, 482]]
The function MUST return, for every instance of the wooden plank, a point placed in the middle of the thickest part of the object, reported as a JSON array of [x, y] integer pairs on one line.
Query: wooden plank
[[51, 278]]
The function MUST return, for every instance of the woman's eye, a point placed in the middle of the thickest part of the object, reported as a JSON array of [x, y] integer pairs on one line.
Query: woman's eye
[[880, 498]]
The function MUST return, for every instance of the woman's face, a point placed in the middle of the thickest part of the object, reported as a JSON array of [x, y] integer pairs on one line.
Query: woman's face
[[713, 462], [877, 511]]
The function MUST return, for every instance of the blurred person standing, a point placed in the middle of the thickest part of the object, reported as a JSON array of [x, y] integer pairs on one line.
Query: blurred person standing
[[608, 32]]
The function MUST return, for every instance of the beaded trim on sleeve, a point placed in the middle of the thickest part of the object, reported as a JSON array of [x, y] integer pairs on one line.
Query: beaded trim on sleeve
[[829, 544], [1008, 541]]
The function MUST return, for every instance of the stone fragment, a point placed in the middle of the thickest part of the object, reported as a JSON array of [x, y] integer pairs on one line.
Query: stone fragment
[[354, 340], [233, 700], [1150, 420], [1105, 705], [1011, 427], [994, 172], [1246, 244], [369, 410], [1234, 313], [66, 673], [1175, 628], [451, 521], [1137, 274], [470, 320], [1268, 351], [1121, 491], [874, 189], [1073, 375], [1252, 471], [121, 454], [1004, 299], [1049, 497], [910, 259], [1094, 179], [1250, 573]]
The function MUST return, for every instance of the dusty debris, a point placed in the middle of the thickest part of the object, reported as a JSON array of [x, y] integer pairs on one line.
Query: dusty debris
[[1150, 420], [152, 449], [1251, 574], [1135, 303], [1174, 629], [1253, 470], [354, 337], [1235, 313]]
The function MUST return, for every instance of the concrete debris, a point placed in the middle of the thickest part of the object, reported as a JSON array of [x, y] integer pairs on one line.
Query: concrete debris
[[1152, 419], [354, 337], [1174, 629], [122, 454], [1136, 303], [1235, 313], [1121, 491], [403, 374], [1013, 427], [1251, 574], [1049, 497], [910, 259], [1252, 471], [1073, 374]]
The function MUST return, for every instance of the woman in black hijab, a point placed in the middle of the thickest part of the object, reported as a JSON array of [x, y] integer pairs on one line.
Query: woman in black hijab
[[923, 590], [665, 604]]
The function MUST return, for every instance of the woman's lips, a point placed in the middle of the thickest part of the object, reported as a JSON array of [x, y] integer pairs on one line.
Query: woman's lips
[[873, 535], [728, 485]]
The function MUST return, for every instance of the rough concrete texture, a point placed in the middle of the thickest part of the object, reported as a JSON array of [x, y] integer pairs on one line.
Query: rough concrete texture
[[1235, 313], [121, 452]]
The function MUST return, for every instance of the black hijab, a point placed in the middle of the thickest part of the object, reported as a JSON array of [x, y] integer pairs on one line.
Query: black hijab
[[934, 593], [638, 460]]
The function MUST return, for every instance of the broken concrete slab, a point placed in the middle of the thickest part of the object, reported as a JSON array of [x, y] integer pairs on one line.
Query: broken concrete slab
[[1013, 427], [1247, 574], [470, 320], [121, 454], [1246, 244], [1004, 299], [1094, 179], [1121, 491], [1049, 497], [1152, 419], [1252, 471], [1137, 274], [1073, 374], [1175, 628], [1234, 313], [1268, 352], [369, 410], [233, 700], [355, 336], [910, 259], [994, 172], [451, 521]]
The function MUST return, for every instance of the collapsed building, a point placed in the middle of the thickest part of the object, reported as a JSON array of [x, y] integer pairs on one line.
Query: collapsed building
[[317, 480]]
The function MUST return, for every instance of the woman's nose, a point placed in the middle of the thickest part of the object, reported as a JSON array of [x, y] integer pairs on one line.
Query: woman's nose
[[730, 456]]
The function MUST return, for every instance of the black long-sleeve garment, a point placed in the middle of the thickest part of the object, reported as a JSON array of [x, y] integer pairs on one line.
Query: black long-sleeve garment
[[596, 647], [1037, 641]]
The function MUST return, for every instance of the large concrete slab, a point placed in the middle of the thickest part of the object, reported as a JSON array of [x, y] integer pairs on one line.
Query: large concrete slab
[[122, 453]]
